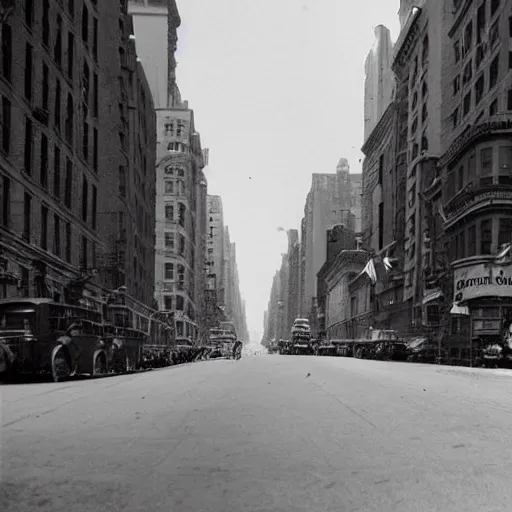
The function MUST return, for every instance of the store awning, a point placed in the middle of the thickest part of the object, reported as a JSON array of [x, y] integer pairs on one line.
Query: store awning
[[432, 295], [459, 310]]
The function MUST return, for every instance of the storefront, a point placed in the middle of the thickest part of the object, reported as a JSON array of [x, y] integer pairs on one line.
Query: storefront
[[482, 298]]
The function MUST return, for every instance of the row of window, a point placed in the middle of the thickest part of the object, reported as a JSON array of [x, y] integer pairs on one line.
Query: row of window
[[169, 213], [478, 239], [175, 127], [486, 166], [175, 187], [170, 242]]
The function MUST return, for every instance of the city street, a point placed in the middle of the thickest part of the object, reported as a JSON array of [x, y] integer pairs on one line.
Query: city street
[[259, 435]]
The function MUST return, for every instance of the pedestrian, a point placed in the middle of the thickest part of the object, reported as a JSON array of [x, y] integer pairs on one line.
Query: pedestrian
[[237, 350]]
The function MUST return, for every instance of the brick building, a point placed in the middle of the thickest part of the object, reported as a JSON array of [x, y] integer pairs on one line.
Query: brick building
[[60, 154], [475, 185]]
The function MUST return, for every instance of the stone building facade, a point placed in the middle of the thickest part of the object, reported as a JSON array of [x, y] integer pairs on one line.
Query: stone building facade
[[475, 185], [59, 63]]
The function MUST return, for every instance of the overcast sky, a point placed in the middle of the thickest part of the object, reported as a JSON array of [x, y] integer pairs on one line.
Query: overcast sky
[[277, 90]]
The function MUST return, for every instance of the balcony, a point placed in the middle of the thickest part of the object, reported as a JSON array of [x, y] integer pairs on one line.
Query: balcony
[[473, 198]]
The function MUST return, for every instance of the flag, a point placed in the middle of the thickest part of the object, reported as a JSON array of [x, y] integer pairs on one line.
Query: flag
[[501, 257], [440, 210], [279, 229], [389, 263], [370, 270]]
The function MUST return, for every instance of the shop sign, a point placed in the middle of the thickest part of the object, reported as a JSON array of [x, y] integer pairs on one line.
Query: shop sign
[[496, 124], [482, 280]]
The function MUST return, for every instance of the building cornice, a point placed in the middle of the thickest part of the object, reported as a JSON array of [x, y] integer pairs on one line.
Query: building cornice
[[343, 259], [494, 124], [380, 131], [406, 39]]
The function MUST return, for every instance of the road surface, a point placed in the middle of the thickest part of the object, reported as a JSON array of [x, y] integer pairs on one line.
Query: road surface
[[258, 435]]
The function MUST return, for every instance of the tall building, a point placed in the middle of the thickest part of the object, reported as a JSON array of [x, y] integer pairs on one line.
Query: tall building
[[379, 80], [62, 148], [333, 199], [181, 216], [180, 226], [417, 65], [293, 295], [273, 316], [125, 202], [156, 23], [215, 247], [475, 183], [234, 308]]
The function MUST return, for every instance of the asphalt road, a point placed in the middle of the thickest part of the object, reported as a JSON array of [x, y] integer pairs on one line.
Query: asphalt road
[[257, 435]]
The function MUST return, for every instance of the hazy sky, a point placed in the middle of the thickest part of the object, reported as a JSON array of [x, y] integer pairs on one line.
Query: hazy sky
[[277, 90]]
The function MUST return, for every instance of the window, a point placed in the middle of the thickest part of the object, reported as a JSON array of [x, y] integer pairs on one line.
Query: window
[[57, 113], [85, 198], [479, 89], [57, 50], [182, 245], [455, 118], [381, 169], [45, 92], [94, 206], [494, 6], [180, 306], [485, 236], [85, 141], [169, 271], [480, 21], [486, 164], [56, 171], [494, 34], [122, 181], [424, 142], [456, 85], [468, 37], [68, 185], [56, 235], [168, 303], [83, 253], [414, 126], [95, 149], [493, 108], [424, 51], [85, 25], [169, 129], [510, 26], [505, 231], [456, 51], [471, 168], [424, 89], [46, 22], [95, 39], [468, 73], [424, 112], [95, 93], [68, 242], [169, 186], [28, 72], [181, 213], [169, 240], [27, 221], [44, 227], [5, 184], [461, 245], [472, 241], [6, 125], [505, 166], [381, 225], [169, 212], [29, 12], [71, 53], [509, 60], [467, 104], [494, 72], [27, 156], [6, 51], [69, 120], [43, 175]]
